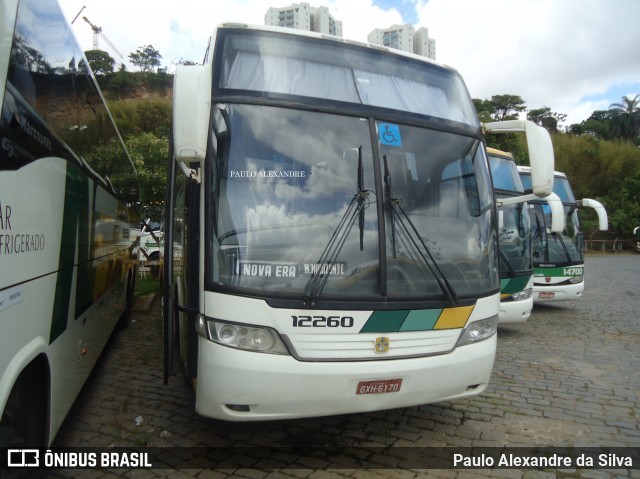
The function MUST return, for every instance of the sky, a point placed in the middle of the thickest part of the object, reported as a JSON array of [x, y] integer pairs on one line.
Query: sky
[[573, 56]]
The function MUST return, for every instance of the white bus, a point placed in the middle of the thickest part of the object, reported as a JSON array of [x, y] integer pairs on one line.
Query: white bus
[[558, 257], [515, 238], [331, 238], [66, 272]]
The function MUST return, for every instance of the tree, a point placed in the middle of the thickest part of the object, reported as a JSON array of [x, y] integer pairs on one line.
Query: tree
[[598, 124], [623, 206], [485, 110], [626, 118], [507, 107], [149, 155], [146, 58], [546, 118], [100, 61], [499, 108]]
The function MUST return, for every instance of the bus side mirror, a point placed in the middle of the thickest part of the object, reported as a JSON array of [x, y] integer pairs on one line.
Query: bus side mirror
[[603, 220], [540, 151], [557, 213], [191, 106]]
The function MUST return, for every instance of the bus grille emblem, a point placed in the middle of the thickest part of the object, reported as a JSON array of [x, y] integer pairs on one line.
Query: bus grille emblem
[[382, 344]]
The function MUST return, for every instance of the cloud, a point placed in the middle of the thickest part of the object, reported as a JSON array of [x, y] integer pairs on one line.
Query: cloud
[[550, 53], [180, 29]]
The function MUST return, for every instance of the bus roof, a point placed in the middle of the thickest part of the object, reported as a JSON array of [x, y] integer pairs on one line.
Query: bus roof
[[527, 169], [309, 34], [496, 152]]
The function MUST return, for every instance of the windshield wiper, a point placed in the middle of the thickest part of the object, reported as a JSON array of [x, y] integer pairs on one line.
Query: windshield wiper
[[507, 263], [409, 227], [567, 255], [331, 252], [537, 237]]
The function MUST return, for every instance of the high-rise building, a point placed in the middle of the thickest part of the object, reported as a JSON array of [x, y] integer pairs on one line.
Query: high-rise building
[[423, 45], [399, 37], [406, 38], [303, 16]]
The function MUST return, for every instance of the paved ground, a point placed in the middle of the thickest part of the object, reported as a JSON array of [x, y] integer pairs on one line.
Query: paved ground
[[569, 377]]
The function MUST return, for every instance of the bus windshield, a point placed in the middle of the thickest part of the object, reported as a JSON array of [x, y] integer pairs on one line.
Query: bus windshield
[[515, 230], [556, 248], [295, 209], [264, 63]]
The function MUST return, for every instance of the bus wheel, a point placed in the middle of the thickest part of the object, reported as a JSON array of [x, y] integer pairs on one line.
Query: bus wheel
[[24, 420]]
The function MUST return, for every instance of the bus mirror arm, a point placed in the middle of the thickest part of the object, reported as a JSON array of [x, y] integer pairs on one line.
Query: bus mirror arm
[[513, 200], [190, 172], [603, 220], [554, 202], [540, 151]]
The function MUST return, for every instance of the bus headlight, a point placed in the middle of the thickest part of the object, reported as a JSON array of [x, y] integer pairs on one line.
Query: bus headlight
[[478, 331], [576, 279], [522, 295], [241, 336]]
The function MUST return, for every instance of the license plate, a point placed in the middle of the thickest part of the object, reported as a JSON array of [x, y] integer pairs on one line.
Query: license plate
[[547, 294], [379, 387]]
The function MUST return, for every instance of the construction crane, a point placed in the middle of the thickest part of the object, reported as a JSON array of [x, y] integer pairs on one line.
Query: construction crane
[[97, 31]]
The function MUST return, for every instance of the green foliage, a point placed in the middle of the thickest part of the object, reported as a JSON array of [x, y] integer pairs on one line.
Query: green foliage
[[597, 155], [597, 125], [507, 107], [608, 171], [145, 286], [626, 118], [485, 110], [546, 118], [499, 108], [135, 117], [124, 85], [149, 154], [101, 62], [620, 122], [511, 143], [146, 58]]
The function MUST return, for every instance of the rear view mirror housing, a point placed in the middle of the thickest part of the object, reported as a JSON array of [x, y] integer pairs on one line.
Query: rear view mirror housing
[[540, 151]]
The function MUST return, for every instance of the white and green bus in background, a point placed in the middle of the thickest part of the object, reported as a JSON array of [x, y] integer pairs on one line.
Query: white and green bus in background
[[66, 271], [558, 258], [331, 230], [515, 238]]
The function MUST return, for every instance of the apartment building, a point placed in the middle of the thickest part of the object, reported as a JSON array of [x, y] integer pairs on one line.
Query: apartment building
[[406, 38], [303, 16]]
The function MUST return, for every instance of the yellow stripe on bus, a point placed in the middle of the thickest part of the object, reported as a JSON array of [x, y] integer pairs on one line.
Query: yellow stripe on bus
[[452, 318]]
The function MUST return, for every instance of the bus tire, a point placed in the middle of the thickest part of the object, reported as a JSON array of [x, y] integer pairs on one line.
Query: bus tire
[[25, 417]]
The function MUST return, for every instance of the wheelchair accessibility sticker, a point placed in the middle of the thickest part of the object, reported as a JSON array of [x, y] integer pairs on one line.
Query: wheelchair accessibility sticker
[[389, 134]]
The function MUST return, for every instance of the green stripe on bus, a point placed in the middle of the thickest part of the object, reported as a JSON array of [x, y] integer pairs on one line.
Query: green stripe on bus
[[421, 319], [75, 224], [514, 285], [560, 272], [385, 321], [401, 320]]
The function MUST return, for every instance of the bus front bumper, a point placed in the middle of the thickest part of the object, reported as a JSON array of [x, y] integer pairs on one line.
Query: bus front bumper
[[515, 311], [564, 292], [237, 385]]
